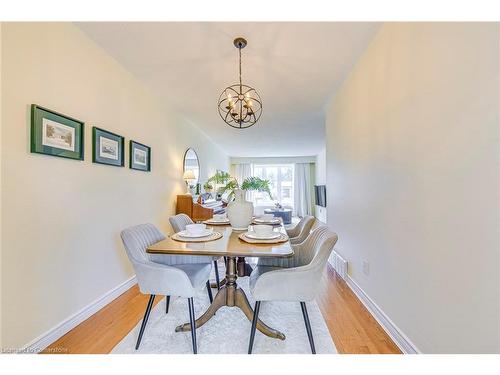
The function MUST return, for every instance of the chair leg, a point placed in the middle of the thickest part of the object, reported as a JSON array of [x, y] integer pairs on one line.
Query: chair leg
[[217, 279], [145, 320], [193, 324], [167, 303], [209, 290], [254, 325], [308, 327]]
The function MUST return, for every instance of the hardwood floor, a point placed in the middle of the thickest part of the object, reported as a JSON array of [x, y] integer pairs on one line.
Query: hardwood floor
[[102, 331], [352, 327]]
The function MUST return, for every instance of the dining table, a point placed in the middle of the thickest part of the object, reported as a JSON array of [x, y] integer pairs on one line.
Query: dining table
[[231, 247]]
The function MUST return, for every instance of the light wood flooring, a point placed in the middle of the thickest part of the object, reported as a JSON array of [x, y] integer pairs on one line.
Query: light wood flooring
[[352, 327]]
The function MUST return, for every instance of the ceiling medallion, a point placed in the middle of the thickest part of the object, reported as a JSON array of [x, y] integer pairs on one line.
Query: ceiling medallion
[[240, 105]]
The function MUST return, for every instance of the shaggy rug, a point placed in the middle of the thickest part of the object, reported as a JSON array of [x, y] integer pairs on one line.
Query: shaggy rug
[[228, 331]]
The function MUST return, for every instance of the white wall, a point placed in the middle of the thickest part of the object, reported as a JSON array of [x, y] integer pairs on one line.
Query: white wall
[[273, 160], [413, 177], [1, 301], [320, 212], [61, 218]]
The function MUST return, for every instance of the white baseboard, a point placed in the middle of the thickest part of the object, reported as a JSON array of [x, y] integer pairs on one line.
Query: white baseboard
[[399, 338], [47, 338]]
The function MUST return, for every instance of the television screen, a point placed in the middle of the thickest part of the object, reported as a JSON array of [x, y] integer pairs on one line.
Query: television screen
[[320, 194]]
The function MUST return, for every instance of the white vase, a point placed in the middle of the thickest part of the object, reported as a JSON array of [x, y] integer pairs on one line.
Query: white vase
[[240, 211]]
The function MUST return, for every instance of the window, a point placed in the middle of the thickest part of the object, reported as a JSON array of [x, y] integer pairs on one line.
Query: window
[[280, 177]]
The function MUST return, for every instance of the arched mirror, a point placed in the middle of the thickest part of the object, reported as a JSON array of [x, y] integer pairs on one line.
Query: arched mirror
[[191, 167]]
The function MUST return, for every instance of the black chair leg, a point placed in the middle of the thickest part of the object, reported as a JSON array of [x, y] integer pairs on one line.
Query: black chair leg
[[145, 320], [308, 327], [209, 290], [167, 303], [217, 279], [254, 325], [193, 324]]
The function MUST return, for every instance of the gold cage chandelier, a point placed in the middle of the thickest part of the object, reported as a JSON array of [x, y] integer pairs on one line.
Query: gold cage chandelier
[[240, 105]]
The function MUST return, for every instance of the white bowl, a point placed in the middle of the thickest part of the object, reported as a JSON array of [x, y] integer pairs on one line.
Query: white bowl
[[195, 229], [267, 217], [263, 230], [220, 217]]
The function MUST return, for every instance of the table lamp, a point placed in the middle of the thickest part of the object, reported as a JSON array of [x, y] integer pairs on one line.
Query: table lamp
[[189, 177]]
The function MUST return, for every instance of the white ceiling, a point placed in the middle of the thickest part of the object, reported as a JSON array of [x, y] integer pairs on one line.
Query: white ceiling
[[295, 67]]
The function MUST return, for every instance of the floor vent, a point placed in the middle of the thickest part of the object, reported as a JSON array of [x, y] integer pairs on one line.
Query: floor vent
[[339, 264]]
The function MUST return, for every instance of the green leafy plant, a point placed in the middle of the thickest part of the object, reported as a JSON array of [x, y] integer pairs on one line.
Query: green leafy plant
[[220, 178], [257, 184], [207, 186], [230, 184]]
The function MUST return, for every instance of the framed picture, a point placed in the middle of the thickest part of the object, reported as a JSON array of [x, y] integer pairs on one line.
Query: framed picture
[[107, 147], [140, 156], [55, 134]]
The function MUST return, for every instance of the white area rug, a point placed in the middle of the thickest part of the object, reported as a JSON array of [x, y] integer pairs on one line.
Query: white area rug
[[228, 331]]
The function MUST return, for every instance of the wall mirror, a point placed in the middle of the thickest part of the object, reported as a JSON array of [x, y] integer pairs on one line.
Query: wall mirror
[[191, 164]]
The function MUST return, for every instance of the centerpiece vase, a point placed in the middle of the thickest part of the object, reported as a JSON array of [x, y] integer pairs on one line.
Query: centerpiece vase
[[240, 211]]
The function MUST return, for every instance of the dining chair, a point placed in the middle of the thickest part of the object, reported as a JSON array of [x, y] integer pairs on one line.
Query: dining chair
[[300, 231], [288, 262], [178, 223], [181, 279], [297, 284]]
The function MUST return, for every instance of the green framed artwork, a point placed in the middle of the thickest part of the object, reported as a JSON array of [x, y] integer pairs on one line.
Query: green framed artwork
[[55, 134], [107, 148], [140, 156]]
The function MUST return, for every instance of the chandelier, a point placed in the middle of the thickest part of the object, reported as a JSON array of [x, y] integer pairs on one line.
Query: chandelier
[[240, 105]]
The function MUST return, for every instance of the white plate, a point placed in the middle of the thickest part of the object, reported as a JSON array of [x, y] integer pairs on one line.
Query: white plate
[[219, 217], [219, 221], [239, 229], [273, 221], [255, 236], [206, 232]]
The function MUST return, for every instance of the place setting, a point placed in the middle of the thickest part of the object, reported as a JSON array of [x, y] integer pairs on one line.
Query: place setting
[[264, 234], [266, 219], [196, 233], [218, 219]]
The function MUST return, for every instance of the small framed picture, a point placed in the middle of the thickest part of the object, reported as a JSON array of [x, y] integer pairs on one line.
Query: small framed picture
[[107, 148], [140, 156], [55, 134]]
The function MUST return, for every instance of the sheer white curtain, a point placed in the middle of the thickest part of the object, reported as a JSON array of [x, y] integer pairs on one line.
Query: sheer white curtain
[[242, 171], [302, 189]]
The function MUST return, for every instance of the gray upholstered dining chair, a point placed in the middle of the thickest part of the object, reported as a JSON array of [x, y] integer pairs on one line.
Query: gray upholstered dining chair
[[292, 261], [181, 279], [300, 231], [299, 283], [178, 223]]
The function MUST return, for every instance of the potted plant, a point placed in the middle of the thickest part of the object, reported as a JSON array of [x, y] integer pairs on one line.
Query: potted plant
[[208, 187], [256, 184], [219, 180], [226, 182], [239, 210]]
